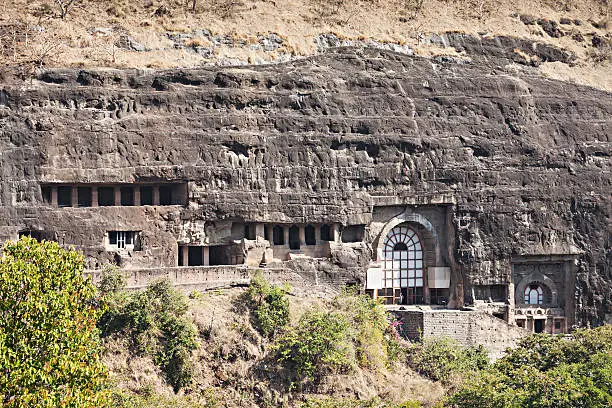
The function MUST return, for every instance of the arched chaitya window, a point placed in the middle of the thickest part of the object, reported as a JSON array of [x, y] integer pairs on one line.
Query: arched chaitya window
[[403, 267], [534, 295]]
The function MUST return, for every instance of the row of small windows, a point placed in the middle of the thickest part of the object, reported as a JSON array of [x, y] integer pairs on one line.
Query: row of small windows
[[291, 235], [104, 196]]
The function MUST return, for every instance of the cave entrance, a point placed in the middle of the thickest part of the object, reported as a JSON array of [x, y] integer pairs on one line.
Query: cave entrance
[[538, 325], [294, 237]]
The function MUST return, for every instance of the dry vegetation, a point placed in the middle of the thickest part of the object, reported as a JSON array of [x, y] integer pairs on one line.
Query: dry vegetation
[[231, 363], [34, 32]]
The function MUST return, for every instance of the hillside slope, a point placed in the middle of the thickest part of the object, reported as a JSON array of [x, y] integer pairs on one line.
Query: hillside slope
[[169, 33]]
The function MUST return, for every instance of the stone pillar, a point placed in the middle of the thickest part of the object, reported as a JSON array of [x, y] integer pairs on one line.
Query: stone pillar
[[302, 235], [74, 196], [185, 250], [205, 256], [94, 196], [117, 195], [137, 195], [155, 195], [286, 234], [511, 305], [318, 234], [336, 232], [54, 196], [259, 231]]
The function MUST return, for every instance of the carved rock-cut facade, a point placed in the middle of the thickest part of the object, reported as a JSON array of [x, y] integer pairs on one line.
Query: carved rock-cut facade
[[423, 181]]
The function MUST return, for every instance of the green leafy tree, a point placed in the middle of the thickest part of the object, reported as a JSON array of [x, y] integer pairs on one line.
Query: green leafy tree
[[545, 372], [49, 343], [317, 345]]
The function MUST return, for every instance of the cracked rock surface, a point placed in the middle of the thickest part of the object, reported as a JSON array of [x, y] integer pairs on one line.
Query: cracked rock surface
[[524, 160]]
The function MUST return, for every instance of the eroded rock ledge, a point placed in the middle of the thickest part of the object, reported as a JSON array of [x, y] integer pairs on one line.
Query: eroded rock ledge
[[508, 165]]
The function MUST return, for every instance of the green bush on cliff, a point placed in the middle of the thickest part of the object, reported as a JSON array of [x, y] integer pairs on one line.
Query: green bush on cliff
[[269, 304], [49, 344], [318, 345], [442, 359], [154, 320]]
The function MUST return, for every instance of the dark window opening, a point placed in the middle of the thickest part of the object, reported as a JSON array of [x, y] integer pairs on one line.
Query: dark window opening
[[249, 231], [439, 296], [326, 233], [180, 256], [84, 196], [414, 296], [46, 194], [146, 195], [64, 196], [538, 325], [400, 246], [294, 237], [195, 257], [106, 196], [165, 195], [278, 235], [353, 233], [520, 323], [38, 235], [127, 196], [310, 237], [222, 255], [495, 293], [266, 234]]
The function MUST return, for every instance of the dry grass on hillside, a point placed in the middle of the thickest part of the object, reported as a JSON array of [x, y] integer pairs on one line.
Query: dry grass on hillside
[[32, 30], [229, 355]]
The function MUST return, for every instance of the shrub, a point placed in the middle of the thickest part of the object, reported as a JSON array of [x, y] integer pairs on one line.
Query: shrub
[[369, 328], [546, 371], [49, 344], [440, 359], [269, 304], [154, 321], [317, 345]]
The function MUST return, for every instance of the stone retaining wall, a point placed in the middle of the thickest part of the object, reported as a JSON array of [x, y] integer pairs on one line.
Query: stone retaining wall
[[467, 328]]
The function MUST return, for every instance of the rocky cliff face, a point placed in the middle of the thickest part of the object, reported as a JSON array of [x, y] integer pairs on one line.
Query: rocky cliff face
[[523, 160]]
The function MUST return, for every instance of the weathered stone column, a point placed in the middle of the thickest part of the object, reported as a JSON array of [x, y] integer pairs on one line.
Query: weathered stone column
[[336, 232], [74, 196], [205, 256], [185, 250], [286, 235], [317, 234], [259, 231], [137, 195], [302, 230], [155, 195], [94, 196], [117, 195], [54, 196]]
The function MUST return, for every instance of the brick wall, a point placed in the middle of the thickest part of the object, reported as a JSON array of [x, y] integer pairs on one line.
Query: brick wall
[[467, 328]]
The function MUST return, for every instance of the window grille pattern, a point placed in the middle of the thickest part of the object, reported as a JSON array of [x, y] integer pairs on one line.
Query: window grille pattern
[[403, 267], [122, 239], [534, 295]]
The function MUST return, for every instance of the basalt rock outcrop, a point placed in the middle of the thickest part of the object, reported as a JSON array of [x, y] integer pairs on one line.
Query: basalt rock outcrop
[[520, 163]]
